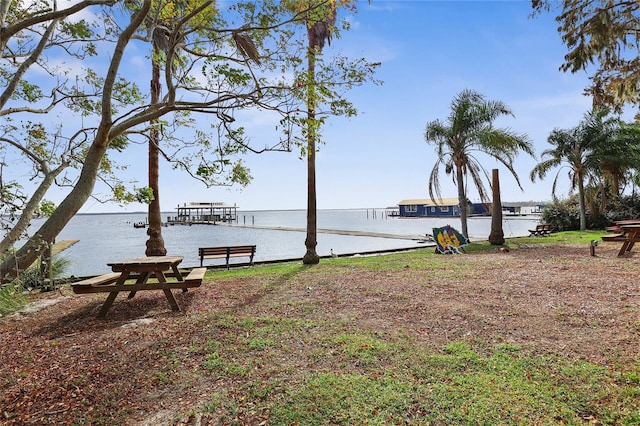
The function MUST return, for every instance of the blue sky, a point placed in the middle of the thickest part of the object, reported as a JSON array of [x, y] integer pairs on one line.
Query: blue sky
[[430, 51]]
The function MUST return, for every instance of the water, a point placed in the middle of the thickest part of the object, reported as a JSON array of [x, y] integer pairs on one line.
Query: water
[[109, 237]]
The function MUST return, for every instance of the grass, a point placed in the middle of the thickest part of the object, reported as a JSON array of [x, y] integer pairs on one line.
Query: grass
[[360, 378], [292, 365], [356, 377]]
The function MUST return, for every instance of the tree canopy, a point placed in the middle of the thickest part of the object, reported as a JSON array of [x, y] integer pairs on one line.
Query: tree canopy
[[601, 149], [604, 34], [469, 130], [75, 112]]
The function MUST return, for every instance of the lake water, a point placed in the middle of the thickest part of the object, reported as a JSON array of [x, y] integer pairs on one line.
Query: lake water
[[109, 237]]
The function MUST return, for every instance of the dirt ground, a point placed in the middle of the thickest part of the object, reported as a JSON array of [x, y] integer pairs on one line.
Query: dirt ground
[[60, 361]]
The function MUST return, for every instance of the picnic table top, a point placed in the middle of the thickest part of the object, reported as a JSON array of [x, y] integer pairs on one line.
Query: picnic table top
[[150, 260]]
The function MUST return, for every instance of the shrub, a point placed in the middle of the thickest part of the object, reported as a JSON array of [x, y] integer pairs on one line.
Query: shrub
[[564, 215], [11, 299]]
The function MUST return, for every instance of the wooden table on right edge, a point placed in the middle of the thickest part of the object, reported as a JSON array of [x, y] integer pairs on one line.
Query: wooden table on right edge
[[631, 235]]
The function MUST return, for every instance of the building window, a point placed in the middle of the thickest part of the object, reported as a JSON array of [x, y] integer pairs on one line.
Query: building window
[[411, 209], [444, 208], [433, 209]]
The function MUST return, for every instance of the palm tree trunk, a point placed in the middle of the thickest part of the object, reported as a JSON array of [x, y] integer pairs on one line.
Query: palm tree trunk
[[311, 256], [155, 243], [582, 204], [462, 201], [496, 237]]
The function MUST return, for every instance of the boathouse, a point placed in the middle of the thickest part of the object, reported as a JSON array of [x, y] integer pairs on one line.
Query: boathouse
[[429, 208], [203, 213], [442, 207]]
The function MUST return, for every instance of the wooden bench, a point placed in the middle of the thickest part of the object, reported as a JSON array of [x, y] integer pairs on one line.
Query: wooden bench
[[226, 253], [85, 286], [540, 231]]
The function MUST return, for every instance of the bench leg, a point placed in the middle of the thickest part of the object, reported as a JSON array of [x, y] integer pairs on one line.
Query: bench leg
[[107, 304]]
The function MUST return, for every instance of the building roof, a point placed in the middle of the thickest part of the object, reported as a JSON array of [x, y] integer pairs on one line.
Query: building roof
[[430, 202]]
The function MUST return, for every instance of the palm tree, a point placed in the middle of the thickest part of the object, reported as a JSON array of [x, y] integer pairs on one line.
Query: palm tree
[[318, 31], [155, 243], [591, 149], [469, 129], [164, 40], [616, 154], [568, 152]]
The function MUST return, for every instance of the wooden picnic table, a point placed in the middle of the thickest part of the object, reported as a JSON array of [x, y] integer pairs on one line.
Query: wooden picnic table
[[628, 234], [141, 269]]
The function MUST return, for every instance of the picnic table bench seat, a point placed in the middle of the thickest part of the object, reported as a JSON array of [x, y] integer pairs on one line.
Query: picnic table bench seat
[[107, 283], [614, 237], [227, 252]]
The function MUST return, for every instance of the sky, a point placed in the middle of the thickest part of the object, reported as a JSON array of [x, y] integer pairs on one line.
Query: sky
[[429, 52]]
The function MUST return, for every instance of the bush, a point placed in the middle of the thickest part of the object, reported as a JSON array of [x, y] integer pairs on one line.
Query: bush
[[11, 299], [564, 215]]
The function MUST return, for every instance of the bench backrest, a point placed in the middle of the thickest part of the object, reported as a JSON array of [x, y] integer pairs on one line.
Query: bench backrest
[[209, 251], [205, 251], [242, 249]]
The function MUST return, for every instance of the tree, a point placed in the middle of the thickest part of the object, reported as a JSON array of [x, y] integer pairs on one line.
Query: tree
[[616, 156], [604, 33], [320, 22], [111, 129], [224, 83], [27, 32], [584, 149], [469, 128], [158, 24], [319, 17]]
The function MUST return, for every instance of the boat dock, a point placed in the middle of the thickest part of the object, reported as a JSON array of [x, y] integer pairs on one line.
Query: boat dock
[[203, 213]]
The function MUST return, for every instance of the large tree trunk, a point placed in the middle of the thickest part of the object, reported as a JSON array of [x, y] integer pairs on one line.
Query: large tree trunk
[[311, 256], [462, 201], [27, 254], [30, 208], [155, 243], [496, 237]]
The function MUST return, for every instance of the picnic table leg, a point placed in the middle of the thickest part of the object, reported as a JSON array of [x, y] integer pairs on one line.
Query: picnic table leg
[[630, 246], [178, 275], [167, 292], [172, 300], [143, 278], [107, 304]]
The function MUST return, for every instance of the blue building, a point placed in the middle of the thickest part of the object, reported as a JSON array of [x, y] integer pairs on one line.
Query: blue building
[[444, 207], [429, 208]]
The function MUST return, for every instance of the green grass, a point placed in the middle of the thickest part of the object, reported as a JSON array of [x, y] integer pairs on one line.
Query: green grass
[[360, 378], [317, 372]]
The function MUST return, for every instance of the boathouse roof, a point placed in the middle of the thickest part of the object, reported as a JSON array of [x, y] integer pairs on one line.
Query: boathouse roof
[[206, 204]]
